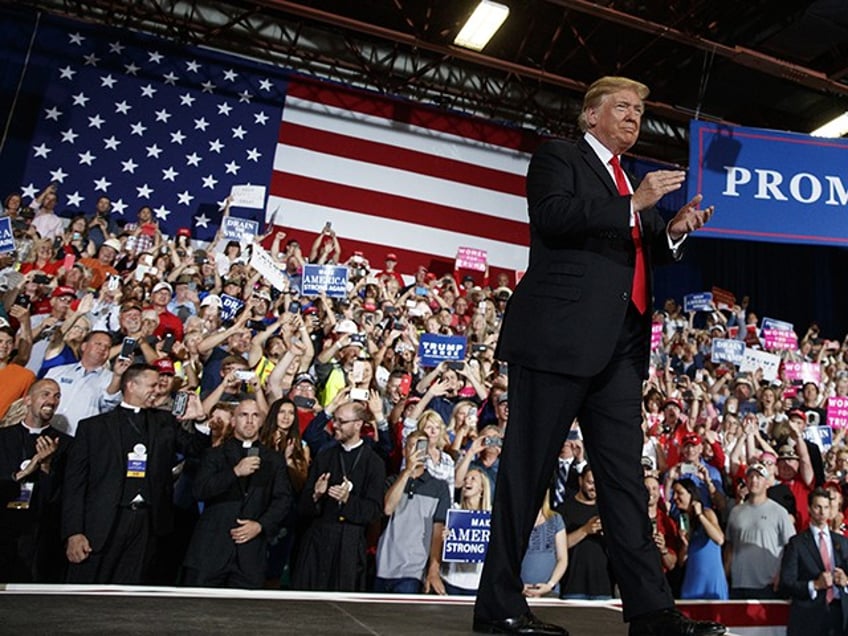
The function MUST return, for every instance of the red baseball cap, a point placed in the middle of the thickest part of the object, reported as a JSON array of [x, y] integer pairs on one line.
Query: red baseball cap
[[692, 438], [164, 365], [63, 290]]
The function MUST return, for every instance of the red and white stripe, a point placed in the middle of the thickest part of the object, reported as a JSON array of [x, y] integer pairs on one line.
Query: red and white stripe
[[396, 176]]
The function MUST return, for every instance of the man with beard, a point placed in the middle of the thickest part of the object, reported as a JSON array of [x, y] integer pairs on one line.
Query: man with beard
[[588, 574], [246, 491], [342, 496], [119, 483], [32, 458]]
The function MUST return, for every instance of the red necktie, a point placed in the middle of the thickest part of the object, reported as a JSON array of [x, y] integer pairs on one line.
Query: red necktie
[[828, 566], [639, 290]]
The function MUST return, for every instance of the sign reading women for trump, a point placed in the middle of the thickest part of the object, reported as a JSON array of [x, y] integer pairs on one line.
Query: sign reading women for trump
[[434, 347], [770, 186]]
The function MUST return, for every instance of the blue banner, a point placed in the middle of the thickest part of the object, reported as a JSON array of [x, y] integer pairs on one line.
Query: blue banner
[[724, 350], [702, 301], [468, 536], [780, 325], [770, 186], [328, 278], [7, 238], [434, 347], [238, 229]]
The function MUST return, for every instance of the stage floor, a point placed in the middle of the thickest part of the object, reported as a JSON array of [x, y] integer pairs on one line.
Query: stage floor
[[119, 610]]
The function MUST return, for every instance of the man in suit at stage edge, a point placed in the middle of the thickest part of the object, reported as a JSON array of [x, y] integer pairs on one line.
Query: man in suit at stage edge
[[812, 572], [246, 493], [118, 482], [576, 335]]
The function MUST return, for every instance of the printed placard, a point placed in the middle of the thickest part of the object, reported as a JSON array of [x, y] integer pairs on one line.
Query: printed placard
[[230, 306], [262, 261], [331, 279], [726, 350], [774, 323], [435, 347], [656, 335], [248, 196], [234, 228], [471, 258], [467, 536], [755, 359], [821, 436], [779, 340], [702, 301], [837, 412], [800, 372], [722, 298], [7, 237]]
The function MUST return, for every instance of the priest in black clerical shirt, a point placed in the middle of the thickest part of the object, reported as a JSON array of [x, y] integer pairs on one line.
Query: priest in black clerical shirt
[[119, 485]]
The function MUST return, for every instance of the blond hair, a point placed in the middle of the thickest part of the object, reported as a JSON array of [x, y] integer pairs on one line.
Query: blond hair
[[432, 416], [485, 494], [604, 86]]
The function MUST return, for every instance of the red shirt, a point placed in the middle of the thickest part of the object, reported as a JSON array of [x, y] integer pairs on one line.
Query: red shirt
[[168, 323]]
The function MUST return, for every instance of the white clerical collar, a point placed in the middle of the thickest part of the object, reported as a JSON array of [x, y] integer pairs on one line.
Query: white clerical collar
[[353, 446], [130, 407], [34, 431]]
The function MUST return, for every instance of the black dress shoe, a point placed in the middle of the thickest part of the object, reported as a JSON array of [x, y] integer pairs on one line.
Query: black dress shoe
[[673, 623], [524, 624]]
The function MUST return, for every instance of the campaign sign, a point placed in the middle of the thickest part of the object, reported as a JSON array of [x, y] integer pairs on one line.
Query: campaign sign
[[702, 301], [264, 263], [7, 238], [471, 258], [722, 298], [724, 350], [230, 306], [656, 335], [822, 436], [769, 186], [837, 412], [779, 340], [468, 536], [434, 347], [248, 196], [755, 359], [779, 325], [241, 230], [331, 279], [800, 372]]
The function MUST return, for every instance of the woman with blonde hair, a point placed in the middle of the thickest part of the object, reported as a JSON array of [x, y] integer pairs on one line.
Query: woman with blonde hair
[[64, 345], [464, 578], [42, 259], [438, 462], [546, 559]]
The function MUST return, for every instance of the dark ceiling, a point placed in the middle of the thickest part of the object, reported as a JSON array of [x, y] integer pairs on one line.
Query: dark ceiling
[[764, 63]]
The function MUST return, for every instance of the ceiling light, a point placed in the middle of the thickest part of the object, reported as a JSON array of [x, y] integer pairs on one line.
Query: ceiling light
[[482, 25], [836, 127]]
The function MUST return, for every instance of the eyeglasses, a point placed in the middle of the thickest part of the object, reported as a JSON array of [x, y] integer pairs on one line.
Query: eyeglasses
[[356, 419]]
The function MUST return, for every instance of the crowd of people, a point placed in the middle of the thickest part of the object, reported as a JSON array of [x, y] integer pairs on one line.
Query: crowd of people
[[148, 437]]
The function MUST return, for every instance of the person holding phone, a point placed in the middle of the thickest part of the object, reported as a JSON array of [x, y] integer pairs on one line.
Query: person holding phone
[[409, 550]]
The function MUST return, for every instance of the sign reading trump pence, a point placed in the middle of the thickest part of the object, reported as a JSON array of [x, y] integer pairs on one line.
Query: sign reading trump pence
[[467, 536], [434, 347], [331, 279]]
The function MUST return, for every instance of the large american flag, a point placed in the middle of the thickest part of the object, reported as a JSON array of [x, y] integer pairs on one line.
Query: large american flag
[[148, 122]]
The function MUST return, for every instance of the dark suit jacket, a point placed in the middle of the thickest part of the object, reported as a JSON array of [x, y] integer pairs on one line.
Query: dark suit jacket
[[576, 290], [47, 489], [97, 468], [801, 564], [265, 497]]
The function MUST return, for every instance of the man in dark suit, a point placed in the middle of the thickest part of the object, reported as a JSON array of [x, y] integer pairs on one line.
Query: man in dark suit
[[119, 484], [812, 572], [576, 336], [32, 465], [246, 494]]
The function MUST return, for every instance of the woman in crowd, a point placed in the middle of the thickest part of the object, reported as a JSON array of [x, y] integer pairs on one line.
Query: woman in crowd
[[75, 239], [546, 559], [463, 579], [665, 531], [438, 462], [281, 433], [702, 538], [43, 259], [65, 343]]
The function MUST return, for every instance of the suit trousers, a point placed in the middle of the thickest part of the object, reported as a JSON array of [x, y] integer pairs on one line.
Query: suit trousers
[[542, 408], [125, 558]]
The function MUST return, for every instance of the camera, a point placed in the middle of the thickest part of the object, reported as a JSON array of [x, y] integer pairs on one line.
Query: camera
[[127, 349], [359, 395], [421, 445], [244, 375], [180, 404], [493, 441]]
